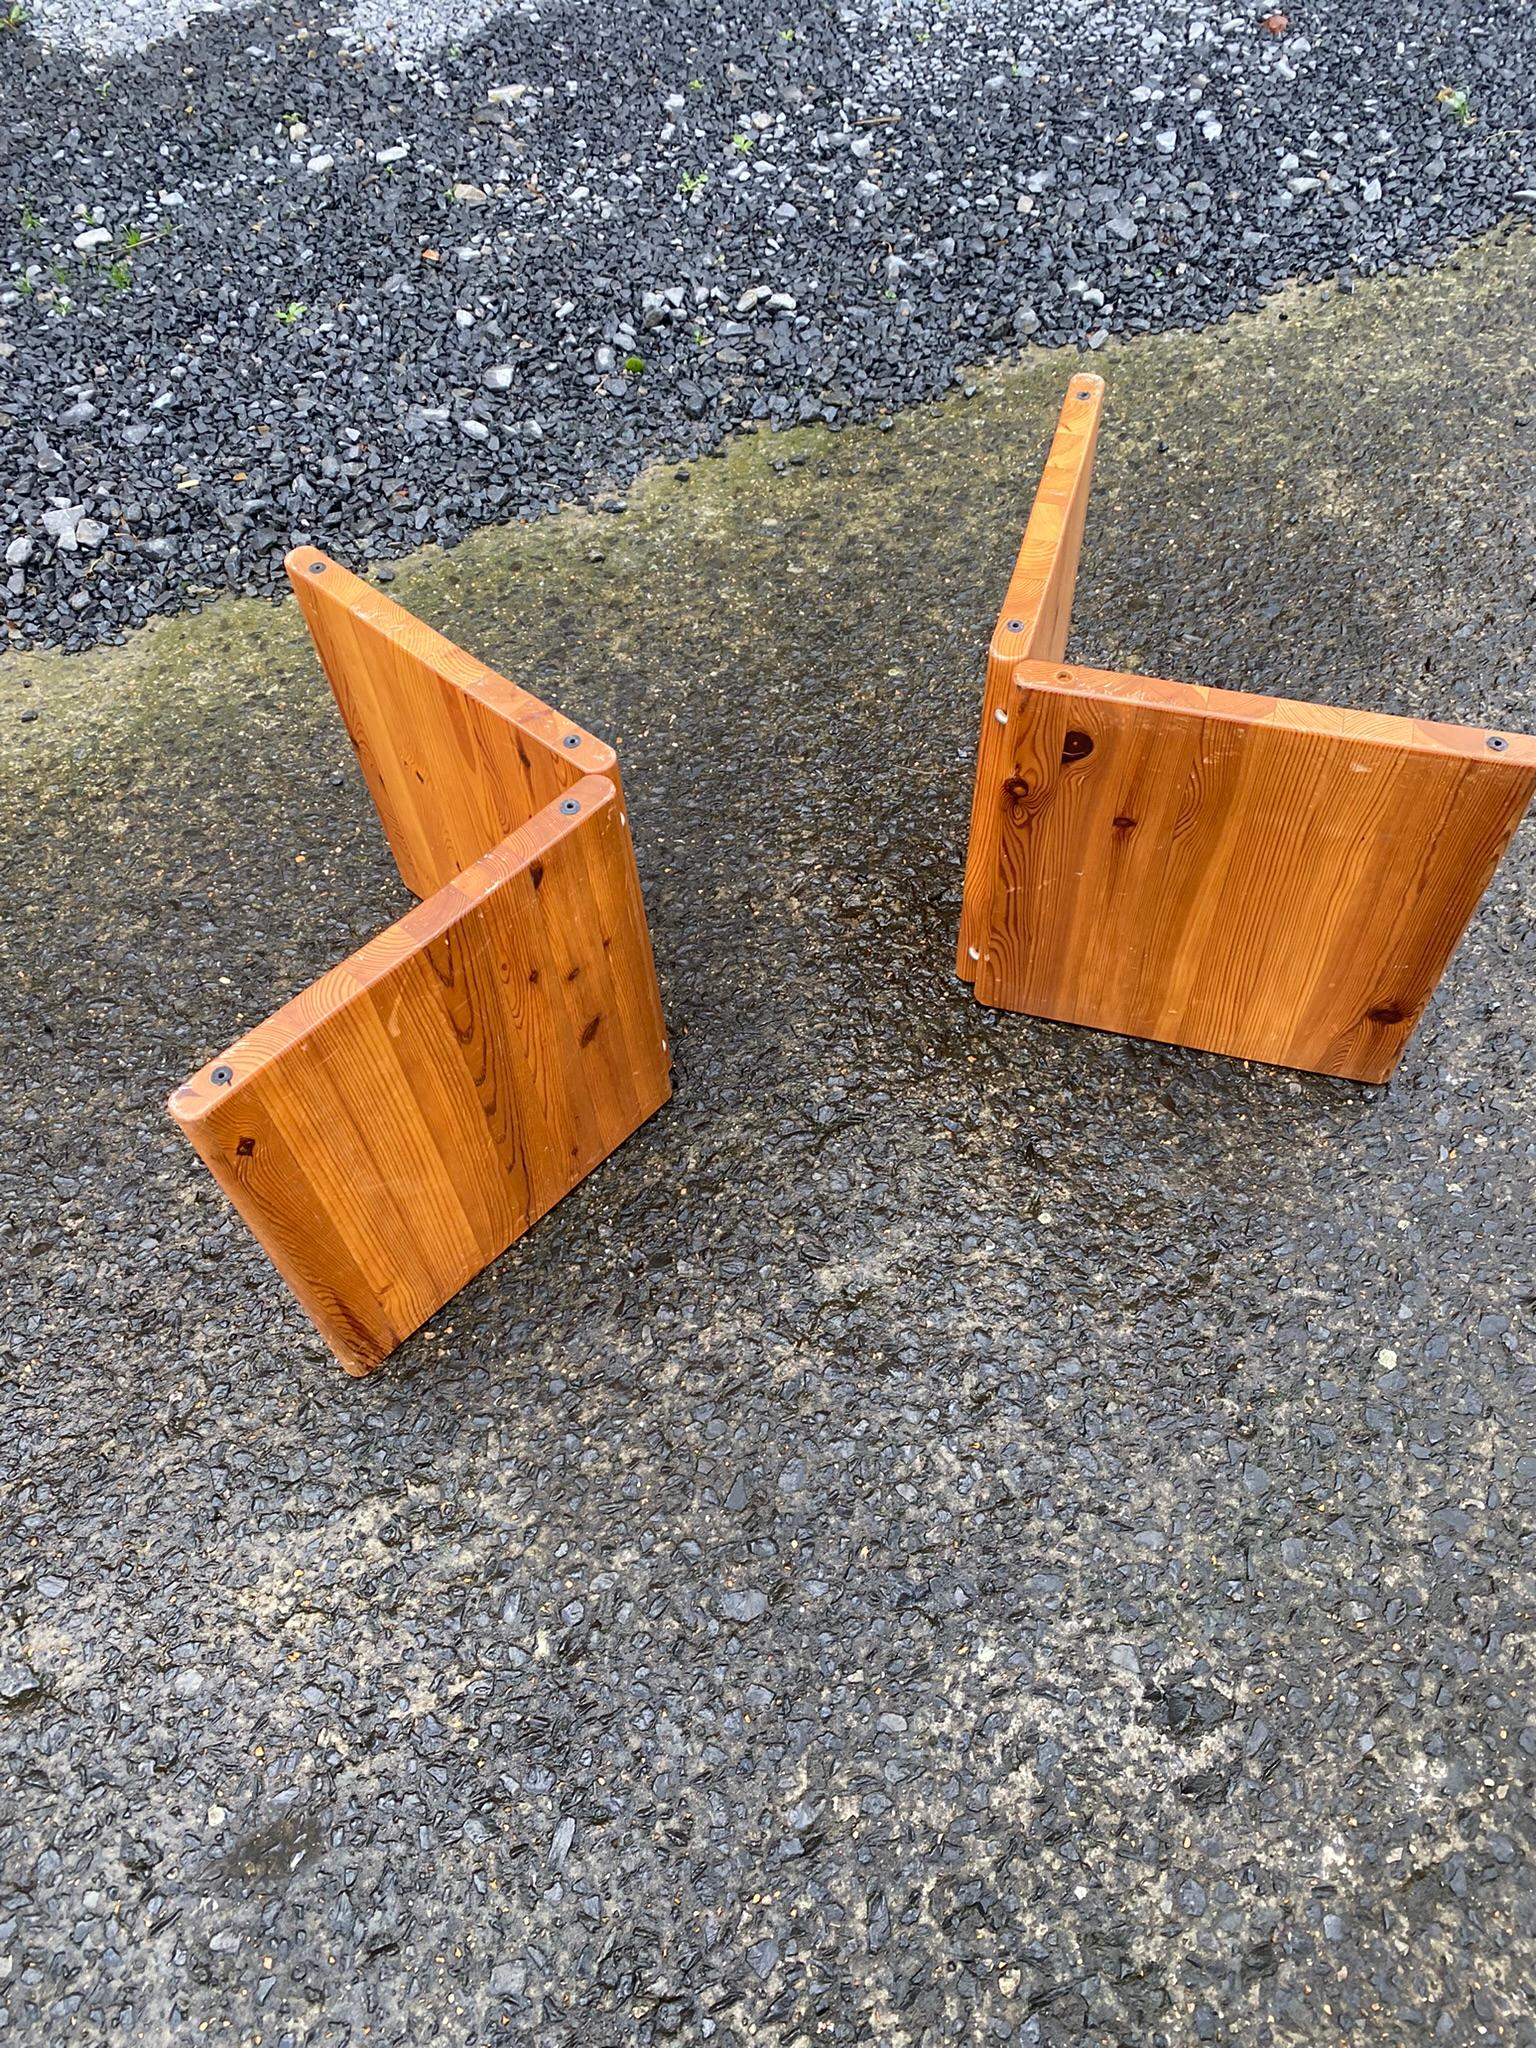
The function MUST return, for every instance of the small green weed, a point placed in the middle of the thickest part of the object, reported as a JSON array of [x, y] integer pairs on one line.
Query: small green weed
[[1454, 97]]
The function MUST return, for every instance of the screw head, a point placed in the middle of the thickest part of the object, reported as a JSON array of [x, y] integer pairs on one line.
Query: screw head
[[569, 806], [222, 1076], [572, 739], [317, 568], [1497, 744]]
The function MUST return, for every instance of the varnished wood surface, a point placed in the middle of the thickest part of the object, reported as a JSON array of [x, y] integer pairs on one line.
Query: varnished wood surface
[[1032, 625], [1249, 875], [398, 1124], [454, 755]]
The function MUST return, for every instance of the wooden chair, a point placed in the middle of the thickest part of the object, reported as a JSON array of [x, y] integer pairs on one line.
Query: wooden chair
[[1248, 875], [398, 1124]]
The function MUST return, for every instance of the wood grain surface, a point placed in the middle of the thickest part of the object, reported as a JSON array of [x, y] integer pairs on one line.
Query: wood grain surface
[[1250, 875], [1032, 625], [455, 756], [393, 1128]]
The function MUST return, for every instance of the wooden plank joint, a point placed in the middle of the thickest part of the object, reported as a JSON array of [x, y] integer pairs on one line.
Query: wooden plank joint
[[1250, 875], [398, 1124]]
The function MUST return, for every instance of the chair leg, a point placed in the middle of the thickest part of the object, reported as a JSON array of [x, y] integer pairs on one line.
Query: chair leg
[[1271, 879], [397, 1125]]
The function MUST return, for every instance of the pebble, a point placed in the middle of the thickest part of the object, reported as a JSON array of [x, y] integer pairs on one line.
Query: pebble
[[744, 1605]]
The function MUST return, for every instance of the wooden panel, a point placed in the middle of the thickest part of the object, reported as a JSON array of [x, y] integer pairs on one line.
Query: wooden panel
[[454, 755], [402, 1121], [1249, 875], [1033, 624]]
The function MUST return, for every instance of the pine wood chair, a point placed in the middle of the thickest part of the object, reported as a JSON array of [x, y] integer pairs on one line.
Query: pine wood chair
[[402, 1121], [1248, 875]]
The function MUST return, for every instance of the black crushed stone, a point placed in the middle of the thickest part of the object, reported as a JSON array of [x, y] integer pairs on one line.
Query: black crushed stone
[[371, 303]]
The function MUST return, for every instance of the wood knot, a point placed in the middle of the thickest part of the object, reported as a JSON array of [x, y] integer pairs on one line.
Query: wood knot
[[1076, 747]]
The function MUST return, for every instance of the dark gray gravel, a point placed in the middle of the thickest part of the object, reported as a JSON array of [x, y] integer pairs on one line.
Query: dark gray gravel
[[964, 1530], [274, 282]]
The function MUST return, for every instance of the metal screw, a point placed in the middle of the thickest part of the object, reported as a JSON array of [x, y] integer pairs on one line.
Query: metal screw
[[1085, 394], [1497, 743], [569, 806], [317, 568], [1015, 625], [222, 1076], [572, 739]]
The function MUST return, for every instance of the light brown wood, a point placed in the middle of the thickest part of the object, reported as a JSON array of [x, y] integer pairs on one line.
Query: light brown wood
[[398, 1124], [1032, 625], [454, 755], [1248, 875], [393, 1128]]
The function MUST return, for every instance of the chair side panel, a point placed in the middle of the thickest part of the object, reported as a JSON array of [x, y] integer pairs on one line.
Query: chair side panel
[[395, 1127], [1277, 882]]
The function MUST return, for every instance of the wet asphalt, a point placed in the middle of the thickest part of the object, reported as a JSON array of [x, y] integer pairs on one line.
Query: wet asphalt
[[965, 1529]]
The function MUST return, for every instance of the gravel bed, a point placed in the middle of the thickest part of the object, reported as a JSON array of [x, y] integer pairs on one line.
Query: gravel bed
[[292, 275]]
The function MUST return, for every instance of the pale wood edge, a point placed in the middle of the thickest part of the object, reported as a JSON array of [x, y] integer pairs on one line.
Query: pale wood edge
[[345, 983], [1052, 531], [541, 722], [1068, 462], [1289, 714]]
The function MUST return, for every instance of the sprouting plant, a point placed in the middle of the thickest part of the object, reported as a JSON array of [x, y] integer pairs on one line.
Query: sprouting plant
[[691, 182], [120, 274], [133, 238], [1455, 97], [14, 16], [742, 142], [291, 314], [105, 87], [700, 338], [30, 221], [25, 286], [786, 35], [635, 365], [695, 85]]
